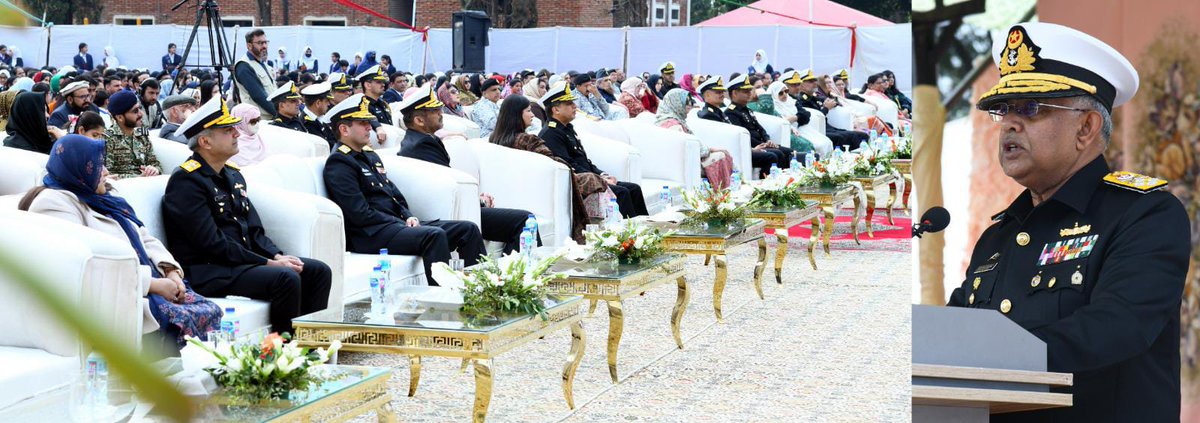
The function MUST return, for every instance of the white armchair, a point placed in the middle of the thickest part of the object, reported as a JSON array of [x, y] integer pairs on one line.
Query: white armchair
[[433, 192], [814, 132], [779, 130], [460, 124], [734, 139], [522, 180], [170, 153], [95, 272], [886, 110], [394, 136], [301, 225], [677, 164], [279, 140], [20, 170], [618, 159]]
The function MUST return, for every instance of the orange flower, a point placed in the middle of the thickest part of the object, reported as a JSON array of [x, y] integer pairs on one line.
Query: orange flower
[[820, 167], [268, 343]]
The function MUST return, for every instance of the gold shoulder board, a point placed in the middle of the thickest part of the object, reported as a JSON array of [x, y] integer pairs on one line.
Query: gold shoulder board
[[552, 124], [345, 149], [191, 165], [1134, 182], [366, 148], [232, 165]]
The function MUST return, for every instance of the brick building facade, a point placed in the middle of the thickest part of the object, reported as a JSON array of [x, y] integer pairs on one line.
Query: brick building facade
[[432, 13]]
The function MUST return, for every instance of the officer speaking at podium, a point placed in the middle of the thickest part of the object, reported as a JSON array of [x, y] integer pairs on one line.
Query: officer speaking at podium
[[1088, 260]]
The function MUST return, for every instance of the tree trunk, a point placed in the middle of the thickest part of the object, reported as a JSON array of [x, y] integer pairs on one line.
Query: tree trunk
[[264, 12]]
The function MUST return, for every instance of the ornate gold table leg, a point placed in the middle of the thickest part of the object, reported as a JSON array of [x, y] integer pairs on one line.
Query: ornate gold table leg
[[707, 258], [414, 374], [830, 215], [759, 266], [616, 324], [854, 220], [681, 302], [893, 188], [870, 210], [591, 307], [781, 248], [385, 413], [813, 238], [719, 286], [483, 389], [578, 342]]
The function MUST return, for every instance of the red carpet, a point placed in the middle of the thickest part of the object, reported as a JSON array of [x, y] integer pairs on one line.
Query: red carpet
[[887, 237]]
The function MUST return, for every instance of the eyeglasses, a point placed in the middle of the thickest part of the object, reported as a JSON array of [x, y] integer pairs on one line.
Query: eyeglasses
[[1028, 109]]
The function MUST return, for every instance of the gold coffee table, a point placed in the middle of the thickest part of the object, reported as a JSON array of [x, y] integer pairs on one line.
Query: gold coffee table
[[830, 198], [869, 183], [782, 218], [441, 331], [714, 241], [614, 283]]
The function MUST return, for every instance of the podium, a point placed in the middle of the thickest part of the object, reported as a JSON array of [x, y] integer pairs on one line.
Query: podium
[[970, 363]]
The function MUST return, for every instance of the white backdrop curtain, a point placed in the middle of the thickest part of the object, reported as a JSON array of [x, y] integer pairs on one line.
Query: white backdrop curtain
[[708, 50]]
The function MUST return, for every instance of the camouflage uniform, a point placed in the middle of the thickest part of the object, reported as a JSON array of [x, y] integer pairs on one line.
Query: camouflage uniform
[[125, 155]]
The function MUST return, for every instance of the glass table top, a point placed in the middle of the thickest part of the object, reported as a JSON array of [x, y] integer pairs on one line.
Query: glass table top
[[436, 317], [779, 209], [709, 230], [608, 269], [63, 404]]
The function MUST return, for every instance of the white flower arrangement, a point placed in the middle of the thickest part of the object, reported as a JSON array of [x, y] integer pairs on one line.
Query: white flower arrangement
[[828, 172], [631, 243], [507, 285], [271, 369]]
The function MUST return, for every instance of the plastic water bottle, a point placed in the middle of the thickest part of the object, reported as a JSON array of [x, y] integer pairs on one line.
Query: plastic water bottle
[[614, 214], [97, 377], [385, 264], [531, 222], [874, 134], [377, 275], [665, 196], [735, 181], [809, 159], [774, 171], [863, 146], [527, 243], [376, 296], [705, 184], [794, 166], [231, 324]]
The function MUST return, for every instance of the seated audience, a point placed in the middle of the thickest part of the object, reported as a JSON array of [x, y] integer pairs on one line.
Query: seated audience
[[672, 114], [176, 109], [129, 152], [26, 127]]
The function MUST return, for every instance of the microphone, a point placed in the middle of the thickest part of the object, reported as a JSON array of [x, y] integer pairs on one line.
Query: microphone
[[934, 220]]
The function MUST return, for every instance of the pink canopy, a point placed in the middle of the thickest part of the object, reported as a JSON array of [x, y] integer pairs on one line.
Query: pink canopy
[[824, 12]]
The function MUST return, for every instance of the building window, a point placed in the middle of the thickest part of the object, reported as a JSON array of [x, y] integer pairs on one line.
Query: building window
[[325, 21], [660, 11], [242, 21], [133, 20]]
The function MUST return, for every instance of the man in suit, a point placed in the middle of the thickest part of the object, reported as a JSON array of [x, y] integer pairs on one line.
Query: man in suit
[[170, 61], [1090, 261], [377, 214], [423, 116], [560, 137], [395, 92], [83, 60], [334, 66], [215, 232]]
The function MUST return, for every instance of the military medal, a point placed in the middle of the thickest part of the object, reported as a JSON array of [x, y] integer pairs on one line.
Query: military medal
[[1037, 279], [975, 285], [1051, 283], [971, 299], [1023, 239], [1005, 306], [1077, 278]]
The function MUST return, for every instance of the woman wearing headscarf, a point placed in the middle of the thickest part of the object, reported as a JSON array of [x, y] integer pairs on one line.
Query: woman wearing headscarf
[[354, 69], [759, 65], [251, 149], [6, 104], [476, 86], [74, 190], [368, 62], [448, 95], [308, 62], [534, 88], [589, 192], [654, 82], [23, 83], [672, 114], [110, 58], [632, 90], [775, 101], [207, 88], [465, 96], [27, 127], [687, 82]]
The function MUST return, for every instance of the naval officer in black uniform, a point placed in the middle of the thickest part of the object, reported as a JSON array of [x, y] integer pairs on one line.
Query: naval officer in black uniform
[[741, 91], [317, 101], [713, 92], [560, 138], [215, 233], [377, 214], [287, 104], [1090, 261], [422, 114]]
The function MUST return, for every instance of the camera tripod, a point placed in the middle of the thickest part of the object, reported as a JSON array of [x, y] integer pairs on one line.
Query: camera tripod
[[220, 56]]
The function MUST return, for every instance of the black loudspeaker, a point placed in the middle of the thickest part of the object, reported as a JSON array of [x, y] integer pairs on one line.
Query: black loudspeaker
[[470, 28]]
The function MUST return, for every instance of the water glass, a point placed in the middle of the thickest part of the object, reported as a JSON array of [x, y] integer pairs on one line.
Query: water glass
[[458, 265]]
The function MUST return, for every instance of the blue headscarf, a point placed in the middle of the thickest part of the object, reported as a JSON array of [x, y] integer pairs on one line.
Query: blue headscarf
[[368, 61], [75, 165]]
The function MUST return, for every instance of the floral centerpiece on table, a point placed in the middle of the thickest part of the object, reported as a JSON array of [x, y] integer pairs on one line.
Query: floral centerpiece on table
[[711, 205], [509, 285], [777, 193], [828, 173], [269, 370], [630, 244], [873, 163], [901, 148]]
